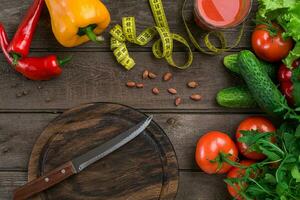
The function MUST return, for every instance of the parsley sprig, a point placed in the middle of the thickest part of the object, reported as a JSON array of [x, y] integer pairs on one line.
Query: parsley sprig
[[278, 176]]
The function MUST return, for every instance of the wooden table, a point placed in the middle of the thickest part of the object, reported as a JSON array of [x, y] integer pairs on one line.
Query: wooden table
[[26, 107]]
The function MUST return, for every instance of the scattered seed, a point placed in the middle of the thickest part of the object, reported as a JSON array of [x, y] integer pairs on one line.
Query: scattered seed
[[145, 74], [19, 94], [171, 121], [40, 87], [196, 97], [178, 101], [140, 85], [5, 150], [152, 75], [168, 76], [130, 84], [192, 84], [48, 99], [155, 91], [172, 91], [25, 92]]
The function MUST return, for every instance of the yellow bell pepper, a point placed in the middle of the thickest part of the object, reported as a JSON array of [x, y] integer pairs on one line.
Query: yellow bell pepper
[[77, 21]]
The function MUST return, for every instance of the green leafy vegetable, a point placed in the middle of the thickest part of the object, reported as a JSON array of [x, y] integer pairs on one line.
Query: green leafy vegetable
[[252, 139], [278, 176], [293, 55], [271, 8]]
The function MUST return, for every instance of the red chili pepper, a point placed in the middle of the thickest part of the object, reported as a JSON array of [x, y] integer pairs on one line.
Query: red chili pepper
[[34, 68], [285, 80], [20, 44]]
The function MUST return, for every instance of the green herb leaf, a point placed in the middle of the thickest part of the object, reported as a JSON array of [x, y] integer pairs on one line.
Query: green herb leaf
[[297, 133], [270, 178], [271, 9], [272, 155], [293, 55], [296, 173], [281, 189]]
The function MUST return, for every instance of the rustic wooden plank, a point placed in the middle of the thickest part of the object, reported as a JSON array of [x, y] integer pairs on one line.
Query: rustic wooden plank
[[192, 186], [201, 186], [19, 132], [9, 181], [97, 77], [12, 12]]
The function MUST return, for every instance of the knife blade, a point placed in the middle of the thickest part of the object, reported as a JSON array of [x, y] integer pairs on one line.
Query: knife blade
[[77, 164]]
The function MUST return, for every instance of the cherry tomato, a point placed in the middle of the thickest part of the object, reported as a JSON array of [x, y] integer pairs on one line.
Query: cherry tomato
[[271, 48], [285, 80], [210, 150], [237, 173], [287, 89], [284, 73], [259, 124]]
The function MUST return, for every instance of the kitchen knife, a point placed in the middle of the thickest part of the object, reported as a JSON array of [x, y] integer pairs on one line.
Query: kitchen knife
[[79, 163]]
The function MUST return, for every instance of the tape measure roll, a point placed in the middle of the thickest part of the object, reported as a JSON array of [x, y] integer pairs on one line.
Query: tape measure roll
[[162, 48]]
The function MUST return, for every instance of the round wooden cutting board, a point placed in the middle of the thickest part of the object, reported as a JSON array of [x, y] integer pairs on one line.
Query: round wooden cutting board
[[144, 169]]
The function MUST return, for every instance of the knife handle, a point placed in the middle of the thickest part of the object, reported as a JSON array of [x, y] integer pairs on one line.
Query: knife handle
[[44, 182]]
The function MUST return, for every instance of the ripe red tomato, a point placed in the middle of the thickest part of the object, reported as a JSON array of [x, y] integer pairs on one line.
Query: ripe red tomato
[[271, 48], [210, 150], [259, 124], [237, 173]]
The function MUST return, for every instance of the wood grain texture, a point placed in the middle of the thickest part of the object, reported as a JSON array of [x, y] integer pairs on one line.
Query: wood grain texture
[[144, 169], [95, 77], [20, 131], [12, 12], [192, 186]]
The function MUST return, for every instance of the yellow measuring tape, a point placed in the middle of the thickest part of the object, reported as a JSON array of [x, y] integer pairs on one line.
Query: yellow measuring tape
[[212, 49], [162, 48]]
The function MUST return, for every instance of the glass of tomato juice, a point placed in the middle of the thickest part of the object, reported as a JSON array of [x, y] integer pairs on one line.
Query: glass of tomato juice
[[221, 14]]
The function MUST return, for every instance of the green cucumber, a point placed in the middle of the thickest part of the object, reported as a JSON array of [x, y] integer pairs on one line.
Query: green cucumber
[[240, 96], [236, 97], [264, 91], [231, 63]]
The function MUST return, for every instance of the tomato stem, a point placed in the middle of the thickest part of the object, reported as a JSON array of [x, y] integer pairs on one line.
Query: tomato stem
[[273, 30], [230, 162], [268, 162], [223, 158]]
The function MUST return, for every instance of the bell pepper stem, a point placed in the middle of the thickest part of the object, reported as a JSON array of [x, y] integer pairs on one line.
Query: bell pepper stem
[[16, 58], [92, 36], [64, 61]]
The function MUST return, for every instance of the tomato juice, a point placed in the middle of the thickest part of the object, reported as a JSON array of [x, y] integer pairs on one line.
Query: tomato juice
[[220, 14]]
